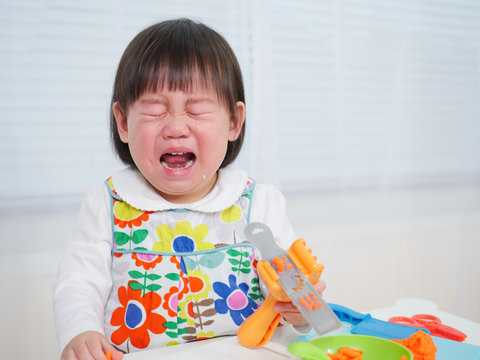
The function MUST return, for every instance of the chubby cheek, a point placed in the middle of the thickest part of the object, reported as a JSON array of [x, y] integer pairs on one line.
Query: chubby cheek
[[214, 145], [142, 145]]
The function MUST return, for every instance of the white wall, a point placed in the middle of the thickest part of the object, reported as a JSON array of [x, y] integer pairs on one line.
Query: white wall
[[381, 246], [376, 247], [32, 243]]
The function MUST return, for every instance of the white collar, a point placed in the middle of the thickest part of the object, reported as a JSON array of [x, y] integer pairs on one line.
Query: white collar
[[133, 188]]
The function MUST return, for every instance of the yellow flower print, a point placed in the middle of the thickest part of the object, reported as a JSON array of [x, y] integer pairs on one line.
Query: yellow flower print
[[183, 238], [126, 215], [199, 284], [202, 335], [185, 310], [232, 214]]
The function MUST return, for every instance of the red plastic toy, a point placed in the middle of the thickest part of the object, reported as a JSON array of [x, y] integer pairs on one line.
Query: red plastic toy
[[432, 323]]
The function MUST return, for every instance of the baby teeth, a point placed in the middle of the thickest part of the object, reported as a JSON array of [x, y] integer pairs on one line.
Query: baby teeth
[[187, 165]]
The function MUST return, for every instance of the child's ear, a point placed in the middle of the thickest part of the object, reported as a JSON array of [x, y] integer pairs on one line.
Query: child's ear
[[236, 122], [121, 120]]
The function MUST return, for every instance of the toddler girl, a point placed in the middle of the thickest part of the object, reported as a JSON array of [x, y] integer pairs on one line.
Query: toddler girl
[[159, 255]]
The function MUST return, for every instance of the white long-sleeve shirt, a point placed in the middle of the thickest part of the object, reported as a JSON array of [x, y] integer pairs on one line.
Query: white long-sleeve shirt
[[84, 282]]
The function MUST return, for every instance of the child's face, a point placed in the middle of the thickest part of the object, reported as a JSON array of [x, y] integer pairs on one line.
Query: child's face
[[178, 140]]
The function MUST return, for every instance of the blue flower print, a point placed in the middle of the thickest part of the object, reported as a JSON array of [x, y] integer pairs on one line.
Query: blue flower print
[[234, 299]]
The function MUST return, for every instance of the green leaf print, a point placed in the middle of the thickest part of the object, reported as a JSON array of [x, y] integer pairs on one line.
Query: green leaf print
[[240, 261], [255, 296], [153, 277], [139, 235], [210, 261], [233, 261], [213, 260], [190, 264], [141, 249], [171, 334], [134, 274], [135, 285], [121, 238], [170, 325], [174, 326], [233, 252], [154, 287], [173, 276]]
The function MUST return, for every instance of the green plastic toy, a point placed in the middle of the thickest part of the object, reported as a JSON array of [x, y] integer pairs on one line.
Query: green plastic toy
[[373, 348]]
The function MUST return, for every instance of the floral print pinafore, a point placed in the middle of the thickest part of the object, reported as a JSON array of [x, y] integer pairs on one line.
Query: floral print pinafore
[[179, 276]]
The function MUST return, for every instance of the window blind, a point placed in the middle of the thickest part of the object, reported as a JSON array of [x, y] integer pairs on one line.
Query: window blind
[[363, 92], [371, 92], [57, 66]]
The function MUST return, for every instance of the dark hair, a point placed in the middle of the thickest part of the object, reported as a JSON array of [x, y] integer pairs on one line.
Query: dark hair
[[172, 54]]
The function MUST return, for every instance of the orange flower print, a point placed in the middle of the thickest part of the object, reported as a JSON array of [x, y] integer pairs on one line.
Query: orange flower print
[[175, 260], [125, 215], [186, 310], [170, 301], [199, 284], [136, 318], [147, 261]]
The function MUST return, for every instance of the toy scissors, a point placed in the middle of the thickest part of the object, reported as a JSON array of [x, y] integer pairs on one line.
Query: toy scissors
[[432, 323]]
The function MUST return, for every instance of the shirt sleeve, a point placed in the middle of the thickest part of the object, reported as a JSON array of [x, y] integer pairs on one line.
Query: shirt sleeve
[[83, 281], [268, 207]]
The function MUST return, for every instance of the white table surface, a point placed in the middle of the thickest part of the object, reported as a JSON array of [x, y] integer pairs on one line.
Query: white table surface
[[275, 349]]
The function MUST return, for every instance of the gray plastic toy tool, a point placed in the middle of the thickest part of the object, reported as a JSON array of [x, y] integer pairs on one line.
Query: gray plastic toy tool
[[288, 271]]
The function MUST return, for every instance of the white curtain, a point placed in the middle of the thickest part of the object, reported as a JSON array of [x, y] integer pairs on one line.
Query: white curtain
[[57, 69], [343, 93]]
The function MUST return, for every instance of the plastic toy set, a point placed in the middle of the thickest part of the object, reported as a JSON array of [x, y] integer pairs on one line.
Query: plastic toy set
[[289, 275]]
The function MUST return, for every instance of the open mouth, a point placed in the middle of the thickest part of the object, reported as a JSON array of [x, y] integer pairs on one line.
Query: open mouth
[[177, 160]]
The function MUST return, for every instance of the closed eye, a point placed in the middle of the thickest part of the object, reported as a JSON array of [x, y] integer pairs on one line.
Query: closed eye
[[155, 115], [198, 113]]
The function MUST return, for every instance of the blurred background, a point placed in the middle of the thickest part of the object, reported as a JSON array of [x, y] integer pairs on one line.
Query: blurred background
[[365, 113]]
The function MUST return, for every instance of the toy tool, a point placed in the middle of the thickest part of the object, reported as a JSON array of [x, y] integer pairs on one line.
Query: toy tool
[[365, 324], [432, 323], [288, 276]]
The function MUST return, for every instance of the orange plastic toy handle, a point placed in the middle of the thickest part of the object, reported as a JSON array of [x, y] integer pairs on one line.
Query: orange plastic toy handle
[[259, 327]]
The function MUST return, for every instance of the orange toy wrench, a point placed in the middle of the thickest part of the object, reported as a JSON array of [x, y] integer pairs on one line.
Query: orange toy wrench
[[288, 276]]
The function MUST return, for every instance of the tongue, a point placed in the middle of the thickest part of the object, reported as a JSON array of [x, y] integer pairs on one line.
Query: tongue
[[177, 161]]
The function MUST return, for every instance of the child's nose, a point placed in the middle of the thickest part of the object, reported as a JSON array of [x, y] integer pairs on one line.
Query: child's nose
[[176, 126]]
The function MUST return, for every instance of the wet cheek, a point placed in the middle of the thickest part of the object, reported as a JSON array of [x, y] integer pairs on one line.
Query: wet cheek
[[142, 143]]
